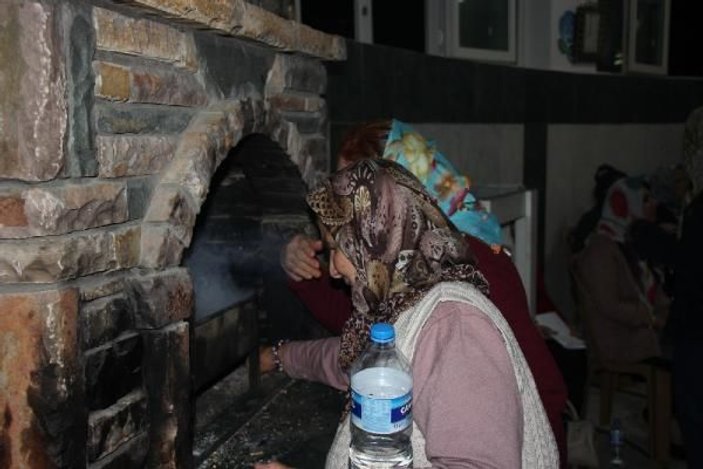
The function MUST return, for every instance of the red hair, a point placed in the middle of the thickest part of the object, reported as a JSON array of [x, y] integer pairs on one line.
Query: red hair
[[366, 140]]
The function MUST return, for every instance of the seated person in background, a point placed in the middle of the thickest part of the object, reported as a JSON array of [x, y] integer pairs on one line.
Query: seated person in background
[[604, 177], [332, 305], [630, 306], [475, 403]]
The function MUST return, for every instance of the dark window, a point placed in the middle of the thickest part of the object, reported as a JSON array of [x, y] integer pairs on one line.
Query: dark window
[[396, 23], [330, 16], [399, 23]]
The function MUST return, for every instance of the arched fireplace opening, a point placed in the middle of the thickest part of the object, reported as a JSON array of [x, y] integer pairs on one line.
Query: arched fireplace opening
[[255, 203]]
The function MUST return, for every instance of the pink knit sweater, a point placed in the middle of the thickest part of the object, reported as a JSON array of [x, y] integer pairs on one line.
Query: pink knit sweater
[[465, 396]]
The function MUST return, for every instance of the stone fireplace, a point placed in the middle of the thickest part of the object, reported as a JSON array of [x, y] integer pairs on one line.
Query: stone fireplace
[[114, 118]]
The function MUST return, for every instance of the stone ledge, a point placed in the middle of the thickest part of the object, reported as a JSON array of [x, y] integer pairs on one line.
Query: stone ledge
[[240, 19]]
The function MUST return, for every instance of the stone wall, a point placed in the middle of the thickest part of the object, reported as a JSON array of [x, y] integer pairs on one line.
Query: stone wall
[[113, 119]]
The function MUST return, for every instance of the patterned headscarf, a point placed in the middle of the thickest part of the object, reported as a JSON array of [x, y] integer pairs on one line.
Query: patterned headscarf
[[693, 149], [444, 183], [397, 238], [624, 203]]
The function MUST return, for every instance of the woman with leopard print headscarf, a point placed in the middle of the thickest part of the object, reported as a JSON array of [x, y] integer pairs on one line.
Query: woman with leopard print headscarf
[[475, 403]]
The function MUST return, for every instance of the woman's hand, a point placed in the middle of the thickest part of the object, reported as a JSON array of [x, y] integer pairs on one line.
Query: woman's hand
[[271, 465], [267, 363], [298, 258]]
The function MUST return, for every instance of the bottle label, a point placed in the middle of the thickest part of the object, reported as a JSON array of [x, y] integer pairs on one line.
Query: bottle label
[[382, 416]]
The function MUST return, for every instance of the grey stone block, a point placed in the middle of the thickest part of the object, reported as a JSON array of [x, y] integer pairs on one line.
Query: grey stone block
[[230, 63], [80, 47], [136, 119]]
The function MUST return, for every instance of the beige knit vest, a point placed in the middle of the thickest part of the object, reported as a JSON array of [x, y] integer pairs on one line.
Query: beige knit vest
[[539, 450]]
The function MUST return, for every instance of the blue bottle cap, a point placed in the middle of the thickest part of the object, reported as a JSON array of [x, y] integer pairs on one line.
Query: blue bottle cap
[[382, 333]]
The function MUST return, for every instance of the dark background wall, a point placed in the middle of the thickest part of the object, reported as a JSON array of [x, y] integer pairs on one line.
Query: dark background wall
[[382, 81], [379, 81]]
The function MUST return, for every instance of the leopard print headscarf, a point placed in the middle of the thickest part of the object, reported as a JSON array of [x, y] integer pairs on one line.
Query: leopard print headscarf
[[397, 238]]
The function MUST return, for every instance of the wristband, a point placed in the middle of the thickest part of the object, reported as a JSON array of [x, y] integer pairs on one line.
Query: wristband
[[276, 357]]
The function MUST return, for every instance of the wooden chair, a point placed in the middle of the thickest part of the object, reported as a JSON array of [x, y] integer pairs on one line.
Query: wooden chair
[[656, 375]]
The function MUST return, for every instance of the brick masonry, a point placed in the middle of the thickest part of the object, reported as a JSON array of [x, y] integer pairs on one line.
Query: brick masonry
[[114, 119]]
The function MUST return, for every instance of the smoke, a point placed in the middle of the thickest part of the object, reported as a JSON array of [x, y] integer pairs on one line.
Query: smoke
[[223, 274]]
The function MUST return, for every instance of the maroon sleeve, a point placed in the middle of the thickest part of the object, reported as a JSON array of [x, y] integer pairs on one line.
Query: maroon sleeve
[[508, 294], [329, 303]]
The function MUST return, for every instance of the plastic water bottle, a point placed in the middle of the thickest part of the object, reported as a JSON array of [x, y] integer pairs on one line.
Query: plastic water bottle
[[616, 444], [381, 415]]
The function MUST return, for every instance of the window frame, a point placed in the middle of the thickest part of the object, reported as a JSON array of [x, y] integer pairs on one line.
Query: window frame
[[453, 49], [632, 64]]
